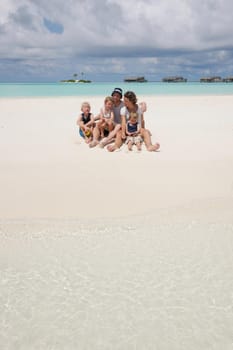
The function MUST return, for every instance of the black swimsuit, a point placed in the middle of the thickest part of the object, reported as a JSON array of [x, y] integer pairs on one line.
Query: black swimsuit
[[86, 119]]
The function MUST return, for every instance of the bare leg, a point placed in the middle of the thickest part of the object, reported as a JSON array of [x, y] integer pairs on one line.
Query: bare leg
[[130, 145], [117, 144], [111, 136], [101, 129], [88, 139], [110, 127], [139, 146], [96, 136], [147, 139]]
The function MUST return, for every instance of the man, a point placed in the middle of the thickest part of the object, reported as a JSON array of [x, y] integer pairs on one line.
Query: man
[[118, 104]]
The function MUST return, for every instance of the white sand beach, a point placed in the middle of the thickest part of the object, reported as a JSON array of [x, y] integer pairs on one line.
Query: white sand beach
[[120, 250], [48, 172]]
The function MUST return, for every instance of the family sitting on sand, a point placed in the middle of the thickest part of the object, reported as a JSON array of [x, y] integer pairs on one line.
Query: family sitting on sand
[[118, 122]]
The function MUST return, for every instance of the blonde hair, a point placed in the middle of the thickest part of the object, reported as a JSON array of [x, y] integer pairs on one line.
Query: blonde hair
[[108, 98], [84, 104]]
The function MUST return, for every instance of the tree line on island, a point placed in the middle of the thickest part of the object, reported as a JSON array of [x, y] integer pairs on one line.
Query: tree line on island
[[75, 80]]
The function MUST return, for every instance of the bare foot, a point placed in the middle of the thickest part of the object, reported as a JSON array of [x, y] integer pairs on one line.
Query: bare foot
[[153, 148], [93, 144], [103, 143], [111, 148]]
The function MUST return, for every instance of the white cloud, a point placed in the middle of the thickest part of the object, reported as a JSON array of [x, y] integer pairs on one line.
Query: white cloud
[[116, 35]]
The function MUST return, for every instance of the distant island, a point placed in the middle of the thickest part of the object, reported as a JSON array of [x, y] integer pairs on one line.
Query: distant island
[[75, 81]]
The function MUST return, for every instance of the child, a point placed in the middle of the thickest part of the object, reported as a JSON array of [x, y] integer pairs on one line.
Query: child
[[86, 122], [106, 117], [133, 130]]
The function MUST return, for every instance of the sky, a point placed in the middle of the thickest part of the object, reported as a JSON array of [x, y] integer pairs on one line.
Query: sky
[[109, 40]]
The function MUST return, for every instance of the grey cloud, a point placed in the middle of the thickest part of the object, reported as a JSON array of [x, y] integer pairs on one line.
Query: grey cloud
[[22, 17], [2, 29], [178, 34]]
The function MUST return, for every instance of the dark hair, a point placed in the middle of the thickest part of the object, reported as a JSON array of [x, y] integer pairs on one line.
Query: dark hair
[[117, 91], [130, 95]]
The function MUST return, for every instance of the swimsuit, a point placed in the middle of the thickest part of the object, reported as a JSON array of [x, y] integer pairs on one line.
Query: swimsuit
[[85, 120]]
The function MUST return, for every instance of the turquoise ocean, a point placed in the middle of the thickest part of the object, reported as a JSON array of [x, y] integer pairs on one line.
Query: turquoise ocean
[[12, 90]]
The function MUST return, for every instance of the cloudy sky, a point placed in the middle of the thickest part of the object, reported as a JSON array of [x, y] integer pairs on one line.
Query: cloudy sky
[[108, 40]]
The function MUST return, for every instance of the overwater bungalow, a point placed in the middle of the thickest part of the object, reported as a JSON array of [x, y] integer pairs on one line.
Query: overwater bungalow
[[135, 80], [228, 80], [216, 79], [175, 79]]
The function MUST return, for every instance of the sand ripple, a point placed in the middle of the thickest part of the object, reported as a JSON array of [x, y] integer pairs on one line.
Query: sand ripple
[[125, 284]]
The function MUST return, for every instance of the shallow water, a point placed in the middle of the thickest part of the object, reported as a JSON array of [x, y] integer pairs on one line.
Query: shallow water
[[98, 89], [132, 283]]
